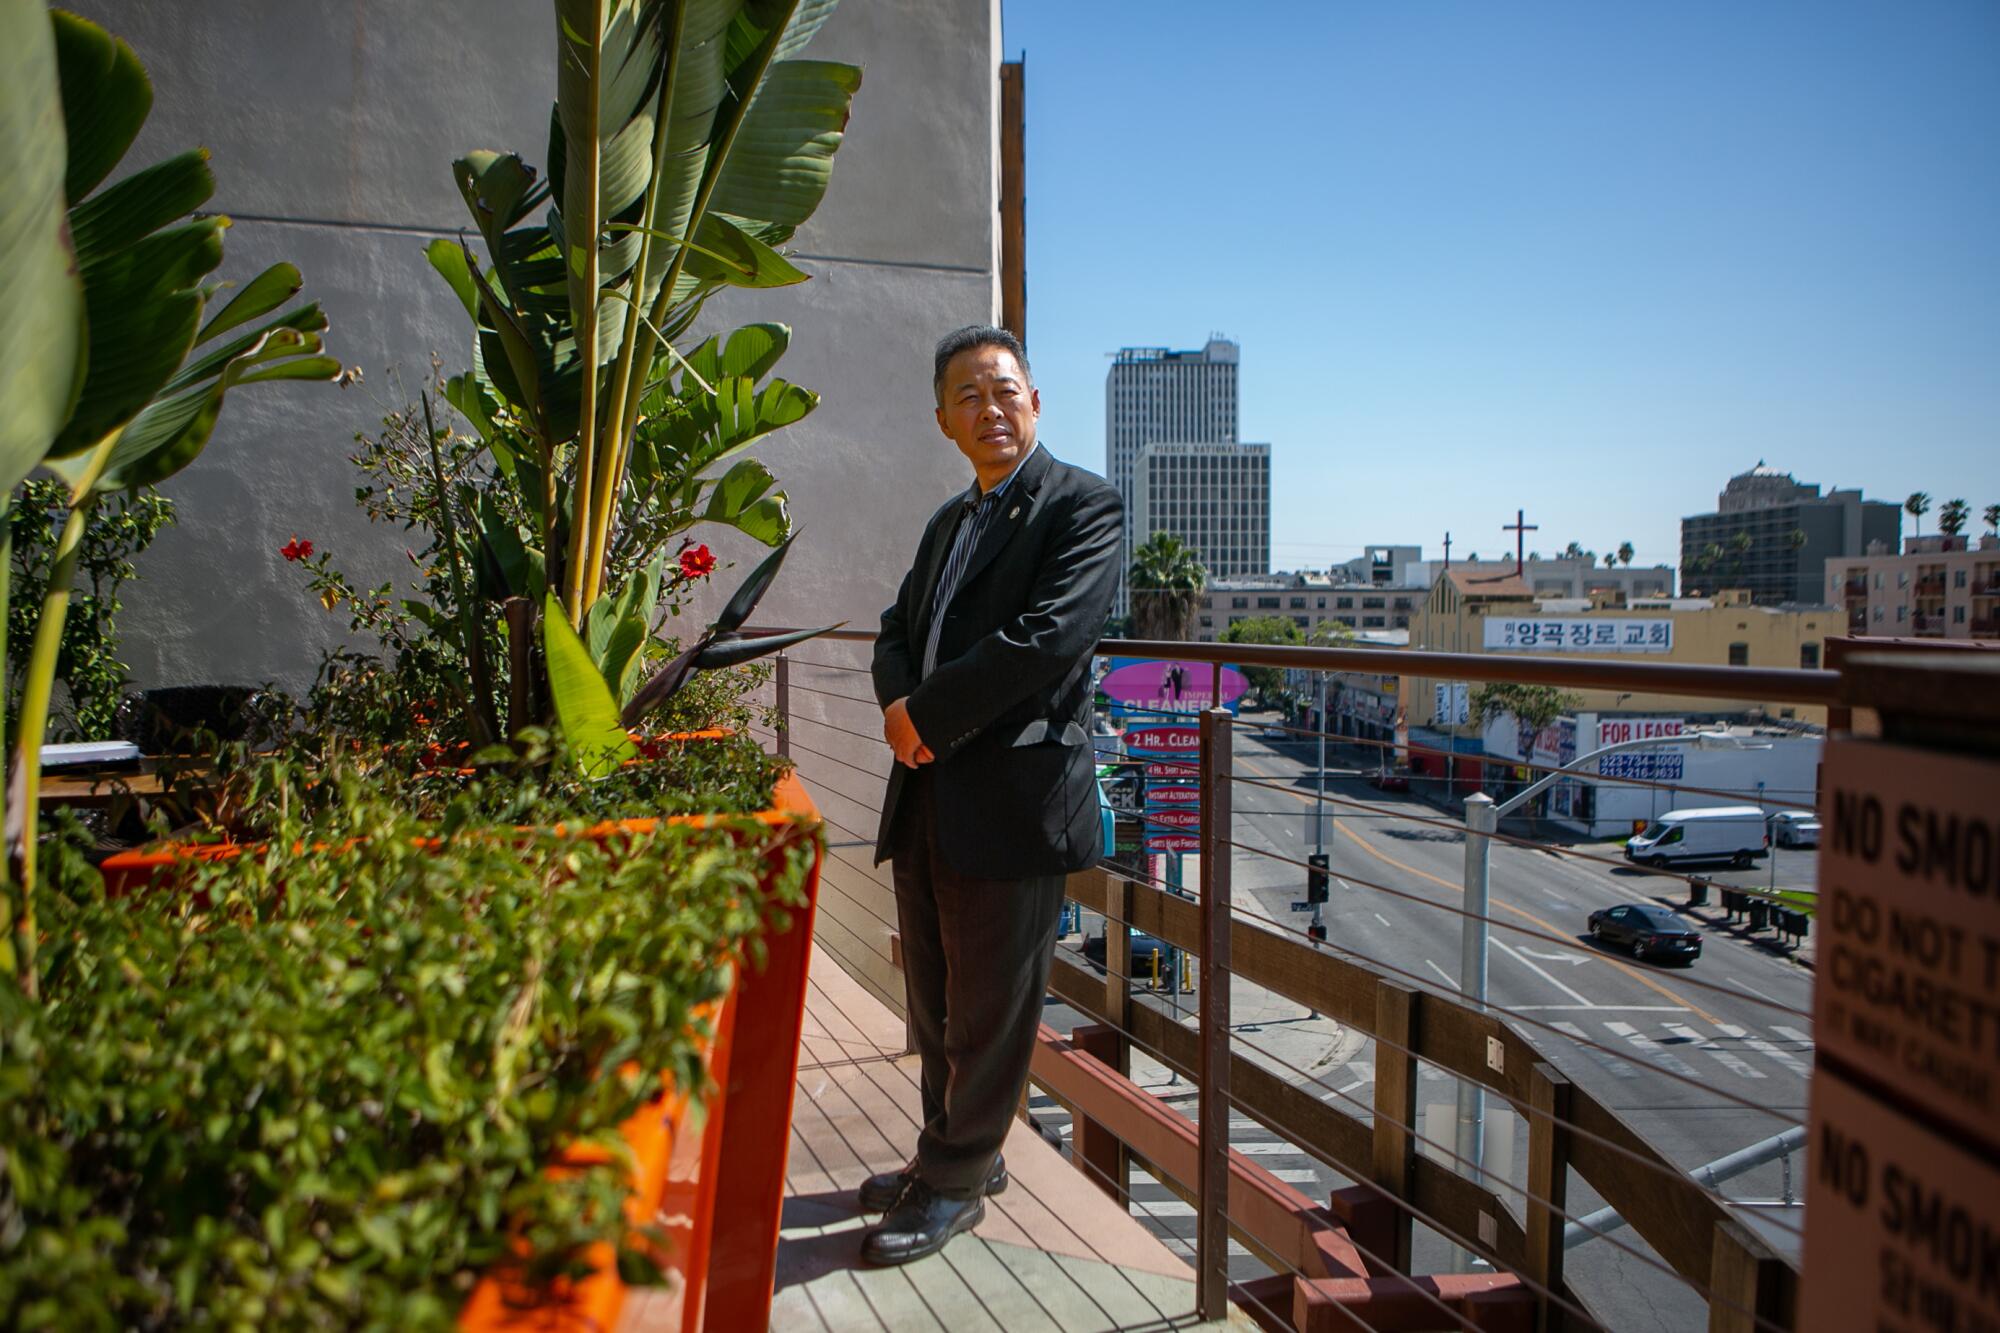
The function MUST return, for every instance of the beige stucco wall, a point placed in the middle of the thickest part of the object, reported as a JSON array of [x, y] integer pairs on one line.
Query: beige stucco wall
[[333, 127]]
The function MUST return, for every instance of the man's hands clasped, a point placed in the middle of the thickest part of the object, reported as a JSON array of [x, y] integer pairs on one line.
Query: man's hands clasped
[[901, 733]]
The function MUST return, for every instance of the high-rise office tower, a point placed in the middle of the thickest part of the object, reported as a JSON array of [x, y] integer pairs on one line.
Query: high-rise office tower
[[1214, 497], [1153, 395], [1773, 535]]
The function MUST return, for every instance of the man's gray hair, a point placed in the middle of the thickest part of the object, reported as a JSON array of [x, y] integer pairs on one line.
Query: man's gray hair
[[967, 338]]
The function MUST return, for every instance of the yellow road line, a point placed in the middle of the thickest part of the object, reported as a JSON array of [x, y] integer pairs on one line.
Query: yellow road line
[[1526, 915]]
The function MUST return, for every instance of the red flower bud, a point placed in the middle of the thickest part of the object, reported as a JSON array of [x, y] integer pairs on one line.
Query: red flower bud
[[295, 549]]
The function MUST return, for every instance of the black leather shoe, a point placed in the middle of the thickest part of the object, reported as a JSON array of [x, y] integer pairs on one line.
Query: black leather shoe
[[879, 1193], [920, 1224]]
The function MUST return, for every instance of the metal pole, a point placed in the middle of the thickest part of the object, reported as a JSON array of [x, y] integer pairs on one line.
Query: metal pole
[[1592, 1225], [1319, 809], [1212, 1117], [1480, 819], [1319, 787], [784, 682]]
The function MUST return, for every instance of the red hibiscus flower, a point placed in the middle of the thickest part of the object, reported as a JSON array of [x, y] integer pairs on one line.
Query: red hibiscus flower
[[696, 562], [295, 549]]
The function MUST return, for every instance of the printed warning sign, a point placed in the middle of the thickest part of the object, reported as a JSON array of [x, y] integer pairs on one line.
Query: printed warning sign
[[1908, 985], [1904, 1233]]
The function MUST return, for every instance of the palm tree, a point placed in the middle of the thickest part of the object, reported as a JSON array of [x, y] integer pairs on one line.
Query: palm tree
[[1611, 559], [1739, 546], [1992, 517], [1625, 554], [1167, 580], [1953, 515], [1917, 506]]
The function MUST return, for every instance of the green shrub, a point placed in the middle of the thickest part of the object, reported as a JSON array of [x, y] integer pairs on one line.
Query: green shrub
[[318, 1088], [87, 666]]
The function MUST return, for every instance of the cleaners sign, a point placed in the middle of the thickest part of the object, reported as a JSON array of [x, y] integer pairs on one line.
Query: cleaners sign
[[1905, 1135]]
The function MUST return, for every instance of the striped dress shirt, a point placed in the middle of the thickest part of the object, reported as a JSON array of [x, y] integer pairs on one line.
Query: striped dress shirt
[[975, 518]]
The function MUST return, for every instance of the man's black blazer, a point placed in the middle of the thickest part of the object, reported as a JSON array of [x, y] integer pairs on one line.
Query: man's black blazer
[[1006, 711]]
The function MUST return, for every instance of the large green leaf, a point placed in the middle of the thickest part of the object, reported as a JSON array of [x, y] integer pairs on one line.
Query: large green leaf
[[753, 349], [133, 353], [448, 258], [778, 169], [588, 713], [263, 294], [172, 430], [41, 295], [741, 499], [106, 98], [723, 252], [141, 204]]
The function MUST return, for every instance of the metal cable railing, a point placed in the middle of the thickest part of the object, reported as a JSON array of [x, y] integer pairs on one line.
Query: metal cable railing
[[1445, 1151], [1811, 687]]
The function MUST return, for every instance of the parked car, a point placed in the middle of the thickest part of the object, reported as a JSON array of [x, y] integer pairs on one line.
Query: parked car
[[1732, 833], [1795, 828], [1389, 779], [1144, 951], [1648, 930]]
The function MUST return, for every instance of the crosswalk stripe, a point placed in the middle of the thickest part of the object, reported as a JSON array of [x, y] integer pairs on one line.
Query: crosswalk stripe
[[1619, 1068], [1765, 1048], [1793, 1034], [1658, 1054], [1740, 1068]]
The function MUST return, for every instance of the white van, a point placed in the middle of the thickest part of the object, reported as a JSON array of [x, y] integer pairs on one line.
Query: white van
[[1733, 833]]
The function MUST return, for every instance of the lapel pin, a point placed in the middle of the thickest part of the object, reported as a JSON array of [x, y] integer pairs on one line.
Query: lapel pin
[[1015, 512]]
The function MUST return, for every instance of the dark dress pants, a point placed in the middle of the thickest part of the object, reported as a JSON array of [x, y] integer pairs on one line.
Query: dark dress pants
[[975, 967]]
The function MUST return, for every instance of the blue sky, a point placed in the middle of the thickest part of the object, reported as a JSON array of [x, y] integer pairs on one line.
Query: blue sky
[[1586, 258]]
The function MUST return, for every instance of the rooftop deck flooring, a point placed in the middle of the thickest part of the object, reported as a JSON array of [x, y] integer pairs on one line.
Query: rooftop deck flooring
[[1053, 1253]]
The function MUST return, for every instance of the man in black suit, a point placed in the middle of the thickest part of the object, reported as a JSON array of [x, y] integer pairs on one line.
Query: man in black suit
[[983, 673]]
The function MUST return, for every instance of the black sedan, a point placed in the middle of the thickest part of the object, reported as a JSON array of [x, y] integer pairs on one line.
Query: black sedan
[[1147, 953], [1648, 930]]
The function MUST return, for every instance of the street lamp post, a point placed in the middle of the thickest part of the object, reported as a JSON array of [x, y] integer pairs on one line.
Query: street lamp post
[[1482, 820]]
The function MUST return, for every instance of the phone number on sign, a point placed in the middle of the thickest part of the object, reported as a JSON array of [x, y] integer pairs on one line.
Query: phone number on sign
[[1643, 767]]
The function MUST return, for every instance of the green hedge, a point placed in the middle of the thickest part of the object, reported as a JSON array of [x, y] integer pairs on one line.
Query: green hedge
[[325, 1097]]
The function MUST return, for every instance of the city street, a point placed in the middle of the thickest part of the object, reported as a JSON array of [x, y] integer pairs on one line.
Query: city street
[[1701, 1060]]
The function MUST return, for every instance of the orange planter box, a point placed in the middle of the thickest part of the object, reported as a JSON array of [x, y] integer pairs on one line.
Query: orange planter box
[[721, 1192]]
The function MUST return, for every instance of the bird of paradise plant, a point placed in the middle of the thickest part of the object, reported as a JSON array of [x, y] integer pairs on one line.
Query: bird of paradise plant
[[687, 142], [119, 378]]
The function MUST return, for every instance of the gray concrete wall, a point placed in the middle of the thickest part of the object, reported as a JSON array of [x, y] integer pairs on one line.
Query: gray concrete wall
[[333, 127]]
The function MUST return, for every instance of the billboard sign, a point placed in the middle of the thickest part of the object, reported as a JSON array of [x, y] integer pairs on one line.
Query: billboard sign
[[1173, 842], [1551, 634], [1621, 730], [1153, 685], [1173, 742], [1176, 795], [1172, 818]]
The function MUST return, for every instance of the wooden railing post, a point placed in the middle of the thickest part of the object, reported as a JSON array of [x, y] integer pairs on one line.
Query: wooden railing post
[[1548, 1181], [1117, 1050], [1747, 1283], [1212, 1120], [1395, 1154]]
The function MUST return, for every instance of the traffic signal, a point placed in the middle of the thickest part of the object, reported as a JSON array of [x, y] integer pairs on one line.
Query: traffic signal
[[1316, 877], [1317, 930]]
